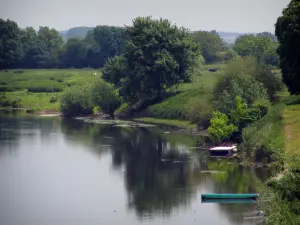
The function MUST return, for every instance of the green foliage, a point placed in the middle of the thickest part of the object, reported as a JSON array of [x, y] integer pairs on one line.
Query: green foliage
[[200, 111], [288, 33], [4, 101], [261, 47], [44, 80], [264, 139], [247, 79], [76, 101], [74, 54], [10, 44], [110, 40], [271, 81], [230, 55], [157, 55], [239, 112], [229, 86], [53, 99], [211, 44], [106, 97], [220, 128]]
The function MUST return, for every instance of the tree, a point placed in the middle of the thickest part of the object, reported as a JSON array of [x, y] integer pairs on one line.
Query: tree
[[211, 44], [106, 97], [10, 44], [156, 56], [220, 128], [288, 34], [76, 101], [74, 53], [260, 47], [111, 41], [52, 42]]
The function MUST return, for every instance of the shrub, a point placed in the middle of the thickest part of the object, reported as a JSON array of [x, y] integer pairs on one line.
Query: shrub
[[106, 97], [76, 101], [53, 99], [220, 128], [200, 112], [229, 86]]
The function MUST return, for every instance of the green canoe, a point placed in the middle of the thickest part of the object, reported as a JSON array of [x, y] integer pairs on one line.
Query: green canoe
[[229, 196]]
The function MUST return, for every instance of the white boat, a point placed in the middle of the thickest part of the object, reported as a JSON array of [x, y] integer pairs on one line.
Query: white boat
[[224, 149]]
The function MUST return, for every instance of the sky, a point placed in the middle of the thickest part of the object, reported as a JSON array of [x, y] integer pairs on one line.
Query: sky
[[221, 15]]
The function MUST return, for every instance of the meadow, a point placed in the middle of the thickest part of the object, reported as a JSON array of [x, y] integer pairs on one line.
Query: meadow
[[40, 89]]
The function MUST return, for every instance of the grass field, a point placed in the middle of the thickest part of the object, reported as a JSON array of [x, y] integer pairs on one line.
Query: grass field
[[35, 88], [291, 120]]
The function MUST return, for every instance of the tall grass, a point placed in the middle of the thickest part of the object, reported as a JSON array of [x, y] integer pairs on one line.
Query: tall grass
[[264, 140]]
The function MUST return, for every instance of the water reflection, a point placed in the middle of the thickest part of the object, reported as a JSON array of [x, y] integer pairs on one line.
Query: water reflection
[[162, 178]]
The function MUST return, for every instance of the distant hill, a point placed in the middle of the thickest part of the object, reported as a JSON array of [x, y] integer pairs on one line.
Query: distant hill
[[80, 32], [75, 32]]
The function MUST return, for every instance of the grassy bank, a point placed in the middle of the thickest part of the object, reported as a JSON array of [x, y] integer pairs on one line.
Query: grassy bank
[[176, 107], [177, 123]]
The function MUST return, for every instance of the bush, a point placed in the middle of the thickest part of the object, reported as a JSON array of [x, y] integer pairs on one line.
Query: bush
[[53, 99], [200, 112], [220, 128], [106, 97], [76, 101], [231, 85]]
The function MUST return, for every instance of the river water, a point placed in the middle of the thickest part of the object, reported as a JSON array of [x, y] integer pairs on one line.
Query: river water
[[55, 171]]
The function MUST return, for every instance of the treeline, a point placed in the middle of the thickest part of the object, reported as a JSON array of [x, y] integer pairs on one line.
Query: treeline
[[45, 48]]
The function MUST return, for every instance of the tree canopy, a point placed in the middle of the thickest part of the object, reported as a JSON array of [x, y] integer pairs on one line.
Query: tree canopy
[[288, 34], [211, 44], [156, 56], [262, 47]]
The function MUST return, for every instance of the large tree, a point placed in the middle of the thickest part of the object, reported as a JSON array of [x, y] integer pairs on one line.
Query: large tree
[[288, 34], [74, 53], [211, 44], [10, 44], [156, 56], [110, 40], [262, 47]]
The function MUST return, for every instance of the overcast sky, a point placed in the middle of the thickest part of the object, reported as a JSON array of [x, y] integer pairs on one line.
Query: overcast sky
[[221, 15]]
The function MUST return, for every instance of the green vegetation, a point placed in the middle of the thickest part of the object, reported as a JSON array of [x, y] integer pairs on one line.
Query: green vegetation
[[106, 97], [220, 128], [147, 68], [177, 123], [262, 47], [40, 89], [76, 101], [287, 32], [211, 45]]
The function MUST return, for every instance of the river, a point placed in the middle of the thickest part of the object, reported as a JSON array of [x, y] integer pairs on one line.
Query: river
[[56, 171]]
